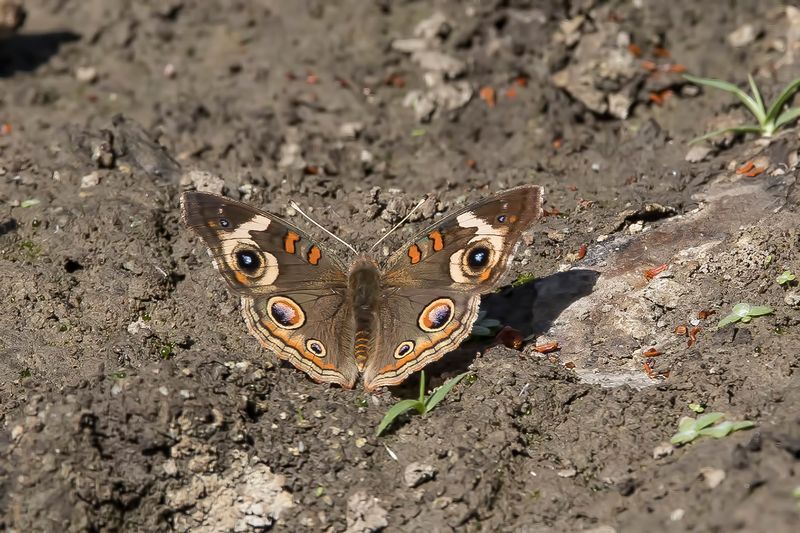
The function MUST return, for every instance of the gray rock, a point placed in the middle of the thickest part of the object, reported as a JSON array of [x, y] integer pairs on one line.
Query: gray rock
[[418, 473], [435, 61], [364, 514]]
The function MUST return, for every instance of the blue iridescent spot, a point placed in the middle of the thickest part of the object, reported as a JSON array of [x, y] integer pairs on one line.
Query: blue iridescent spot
[[478, 257], [501, 219], [248, 260]]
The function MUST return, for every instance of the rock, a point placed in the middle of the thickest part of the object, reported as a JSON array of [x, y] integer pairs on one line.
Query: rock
[[567, 472], [432, 27], [665, 293], [664, 449], [677, 515], [423, 105], [742, 36], [619, 105], [204, 181], [408, 46], [364, 514], [86, 74], [712, 476], [12, 16], [697, 153], [600, 529], [418, 473], [435, 61], [90, 180], [792, 299], [351, 130]]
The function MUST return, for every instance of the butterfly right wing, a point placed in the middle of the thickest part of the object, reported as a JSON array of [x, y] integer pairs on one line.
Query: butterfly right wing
[[293, 292]]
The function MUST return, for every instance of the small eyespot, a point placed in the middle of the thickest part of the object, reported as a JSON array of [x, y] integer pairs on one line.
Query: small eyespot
[[224, 222], [403, 349], [501, 219], [316, 347], [248, 261], [436, 315], [286, 313]]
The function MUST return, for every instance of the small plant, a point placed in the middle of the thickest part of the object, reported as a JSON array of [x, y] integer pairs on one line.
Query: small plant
[[744, 312], [769, 120], [167, 350], [522, 279], [485, 327], [25, 204], [786, 278], [691, 428], [422, 405], [696, 407]]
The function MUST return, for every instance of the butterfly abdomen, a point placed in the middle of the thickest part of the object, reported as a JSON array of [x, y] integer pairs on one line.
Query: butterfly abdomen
[[364, 290]]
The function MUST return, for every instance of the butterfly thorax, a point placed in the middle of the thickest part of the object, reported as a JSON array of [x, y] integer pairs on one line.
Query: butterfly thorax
[[364, 290]]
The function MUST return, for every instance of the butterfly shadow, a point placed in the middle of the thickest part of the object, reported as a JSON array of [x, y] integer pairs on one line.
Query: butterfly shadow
[[531, 309], [25, 52]]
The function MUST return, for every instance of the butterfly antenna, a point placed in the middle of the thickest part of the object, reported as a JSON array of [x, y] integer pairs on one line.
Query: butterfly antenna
[[419, 204], [297, 208]]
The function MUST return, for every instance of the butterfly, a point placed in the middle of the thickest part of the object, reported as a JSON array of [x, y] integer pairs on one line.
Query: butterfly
[[383, 321]]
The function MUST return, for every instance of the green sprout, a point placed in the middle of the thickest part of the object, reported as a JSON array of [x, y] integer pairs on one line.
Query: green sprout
[[785, 278], [485, 327], [697, 407], [769, 120], [744, 312], [167, 350], [422, 405], [25, 204], [522, 279], [796, 494], [691, 428]]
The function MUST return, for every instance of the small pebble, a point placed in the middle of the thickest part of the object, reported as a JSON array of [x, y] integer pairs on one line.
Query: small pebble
[[86, 74], [712, 476], [663, 450]]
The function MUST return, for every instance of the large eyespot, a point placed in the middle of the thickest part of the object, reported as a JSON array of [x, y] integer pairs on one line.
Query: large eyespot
[[248, 261], [478, 257], [316, 347], [403, 349], [436, 315], [286, 313]]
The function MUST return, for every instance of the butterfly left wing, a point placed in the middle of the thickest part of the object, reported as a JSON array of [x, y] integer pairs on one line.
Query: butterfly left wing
[[432, 286]]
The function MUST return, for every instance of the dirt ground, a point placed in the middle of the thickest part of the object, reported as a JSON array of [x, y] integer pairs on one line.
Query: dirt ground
[[132, 397]]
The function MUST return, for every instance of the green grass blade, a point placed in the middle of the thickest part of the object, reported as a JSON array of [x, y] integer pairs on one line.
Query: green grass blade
[[749, 128], [422, 388], [723, 429], [730, 319], [755, 91], [760, 310], [442, 391], [394, 411], [747, 100], [787, 116], [707, 420], [786, 94]]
